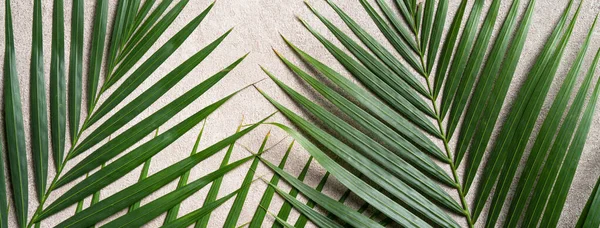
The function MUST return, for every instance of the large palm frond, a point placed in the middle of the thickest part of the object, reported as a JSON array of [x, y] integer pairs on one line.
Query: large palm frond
[[398, 131], [137, 27]]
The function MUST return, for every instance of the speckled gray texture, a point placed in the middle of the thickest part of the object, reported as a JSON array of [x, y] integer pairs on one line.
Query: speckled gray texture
[[258, 24]]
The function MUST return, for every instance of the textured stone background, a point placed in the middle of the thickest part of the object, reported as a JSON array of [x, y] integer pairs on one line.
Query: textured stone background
[[257, 26]]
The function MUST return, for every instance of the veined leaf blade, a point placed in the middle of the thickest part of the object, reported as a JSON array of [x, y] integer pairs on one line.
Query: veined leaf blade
[[398, 44], [147, 68], [75, 67], [124, 141], [142, 13], [116, 37], [13, 120], [302, 219], [376, 67], [519, 124], [567, 171], [38, 105], [543, 141], [367, 99], [96, 52], [590, 216], [406, 102], [381, 52], [428, 19], [150, 29], [558, 151], [286, 208], [3, 195], [58, 97], [148, 185], [436, 33], [389, 136], [473, 66], [399, 26], [386, 158], [143, 175]]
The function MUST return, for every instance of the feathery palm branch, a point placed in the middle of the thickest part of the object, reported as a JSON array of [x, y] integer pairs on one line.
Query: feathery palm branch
[[137, 27], [396, 120]]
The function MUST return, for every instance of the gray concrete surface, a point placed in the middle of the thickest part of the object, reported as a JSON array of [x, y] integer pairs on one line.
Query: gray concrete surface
[[257, 26]]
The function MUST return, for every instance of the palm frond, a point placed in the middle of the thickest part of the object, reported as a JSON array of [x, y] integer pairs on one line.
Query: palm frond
[[392, 148], [136, 27]]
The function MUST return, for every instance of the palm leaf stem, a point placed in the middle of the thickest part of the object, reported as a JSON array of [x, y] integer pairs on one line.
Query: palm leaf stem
[[444, 137], [445, 140]]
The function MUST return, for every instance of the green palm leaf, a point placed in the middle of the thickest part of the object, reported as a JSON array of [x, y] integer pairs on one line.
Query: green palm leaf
[[38, 112], [369, 141], [75, 67], [137, 26], [143, 128], [482, 91], [13, 118], [567, 170], [97, 52], [517, 129], [58, 116], [236, 209], [551, 124]]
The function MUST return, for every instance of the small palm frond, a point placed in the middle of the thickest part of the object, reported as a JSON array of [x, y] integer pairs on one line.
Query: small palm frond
[[100, 162], [395, 122]]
